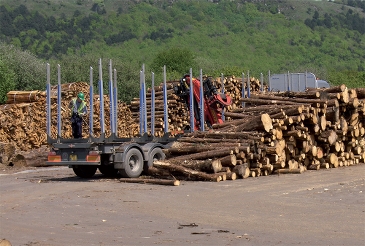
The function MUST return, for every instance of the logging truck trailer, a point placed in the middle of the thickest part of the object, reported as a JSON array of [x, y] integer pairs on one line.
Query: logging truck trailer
[[128, 156], [295, 82], [112, 154]]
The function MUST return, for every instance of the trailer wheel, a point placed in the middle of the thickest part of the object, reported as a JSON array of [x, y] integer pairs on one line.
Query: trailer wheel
[[133, 164], [155, 155], [106, 168], [83, 171]]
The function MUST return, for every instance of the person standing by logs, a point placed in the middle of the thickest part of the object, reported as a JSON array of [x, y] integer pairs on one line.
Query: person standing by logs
[[78, 110]]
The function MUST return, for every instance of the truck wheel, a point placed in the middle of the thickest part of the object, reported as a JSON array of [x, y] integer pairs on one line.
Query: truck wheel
[[108, 170], [133, 164], [84, 171], [155, 155]]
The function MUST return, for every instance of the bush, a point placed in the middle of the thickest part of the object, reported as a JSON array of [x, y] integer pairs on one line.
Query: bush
[[7, 81], [30, 72]]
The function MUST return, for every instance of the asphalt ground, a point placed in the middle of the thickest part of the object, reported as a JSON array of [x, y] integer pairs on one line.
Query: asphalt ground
[[51, 206]]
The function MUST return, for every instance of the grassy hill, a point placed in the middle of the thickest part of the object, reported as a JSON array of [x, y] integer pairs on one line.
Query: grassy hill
[[230, 37]]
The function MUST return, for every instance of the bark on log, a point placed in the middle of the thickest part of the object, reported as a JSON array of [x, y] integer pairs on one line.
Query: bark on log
[[208, 165], [187, 171], [228, 161], [150, 181], [242, 171], [206, 154]]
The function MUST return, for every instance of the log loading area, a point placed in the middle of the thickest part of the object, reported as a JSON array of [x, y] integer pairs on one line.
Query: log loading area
[[263, 134]]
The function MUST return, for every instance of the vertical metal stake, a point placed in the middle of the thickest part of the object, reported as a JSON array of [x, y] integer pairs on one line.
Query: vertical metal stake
[[243, 89], [202, 120], [111, 99], [59, 118], [115, 103], [48, 100], [153, 105], [165, 109], [222, 82], [101, 95], [191, 90], [91, 104]]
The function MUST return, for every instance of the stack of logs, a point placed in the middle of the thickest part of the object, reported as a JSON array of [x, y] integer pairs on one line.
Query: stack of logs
[[178, 112], [23, 123], [287, 132]]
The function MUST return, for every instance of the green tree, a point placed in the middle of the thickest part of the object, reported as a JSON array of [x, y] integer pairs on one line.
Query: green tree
[[29, 70], [7, 80], [177, 61]]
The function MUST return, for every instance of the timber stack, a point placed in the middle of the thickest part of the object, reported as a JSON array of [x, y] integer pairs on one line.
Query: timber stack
[[23, 122], [275, 133], [178, 112]]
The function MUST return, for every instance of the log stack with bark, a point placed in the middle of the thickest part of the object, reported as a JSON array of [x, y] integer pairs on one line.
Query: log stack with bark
[[178, 112], [276, 133], [23, 122]]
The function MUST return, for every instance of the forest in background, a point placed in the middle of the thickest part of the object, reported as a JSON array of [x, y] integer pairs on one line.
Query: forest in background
[[229, 37]]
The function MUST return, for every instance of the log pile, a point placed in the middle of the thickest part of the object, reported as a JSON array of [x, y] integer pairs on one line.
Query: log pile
[[233, 88], [178, 112], [23, 124], [275, 133]]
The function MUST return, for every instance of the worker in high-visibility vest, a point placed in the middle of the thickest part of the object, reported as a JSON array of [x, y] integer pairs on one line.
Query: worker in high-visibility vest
[[78, 110]]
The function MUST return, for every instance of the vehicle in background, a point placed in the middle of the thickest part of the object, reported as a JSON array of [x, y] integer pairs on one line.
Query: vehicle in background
[[295, 82]]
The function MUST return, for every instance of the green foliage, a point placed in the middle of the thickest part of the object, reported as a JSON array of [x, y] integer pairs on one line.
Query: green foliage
[[177, 60], [7, 80], [352, 79], [228, 37], [28, 69]]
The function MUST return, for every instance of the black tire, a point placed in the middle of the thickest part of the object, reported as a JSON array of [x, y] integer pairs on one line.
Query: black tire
[[84, 171], [155, 155], [133, 164], [108, 170]]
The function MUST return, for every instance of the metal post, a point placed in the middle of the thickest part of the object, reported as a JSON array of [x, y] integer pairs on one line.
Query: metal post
[[153, 105], [248, 85], [191, 90], [165, 109], [288, 81], [48, 100], [306, 85], [144, 98], [59, 118], [141, 105], [243, 89], [115, 103], [202, 120], [111, 99], [91, 105], [101, 94], [222, 82], [262, 82], [269, 82]]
